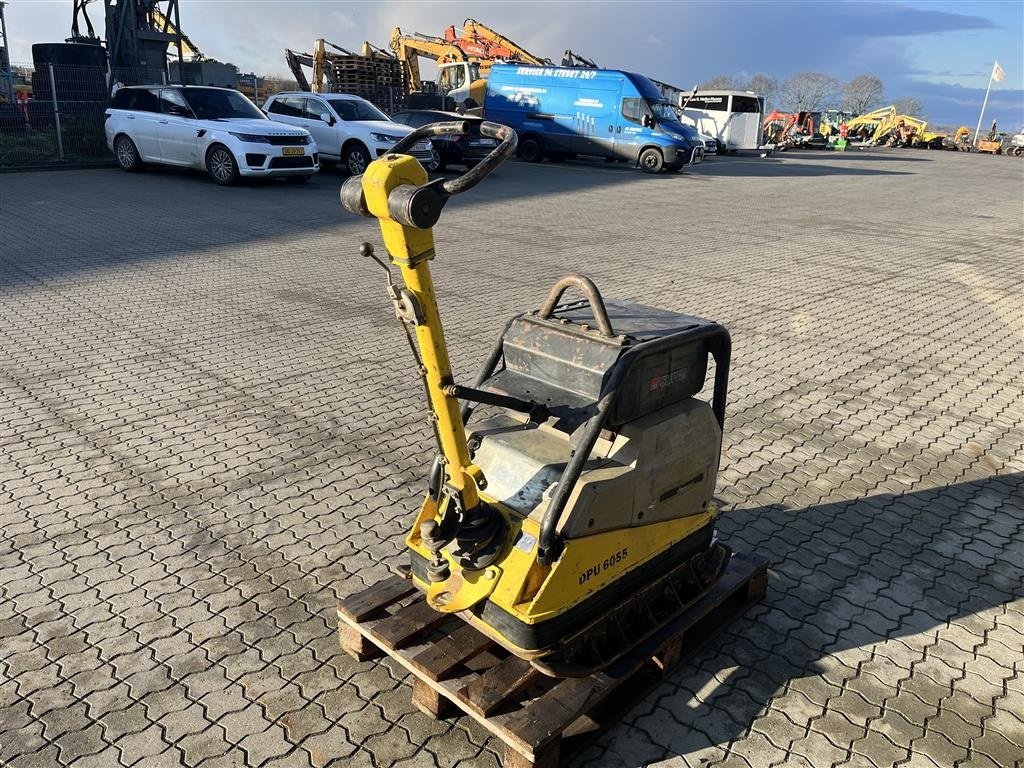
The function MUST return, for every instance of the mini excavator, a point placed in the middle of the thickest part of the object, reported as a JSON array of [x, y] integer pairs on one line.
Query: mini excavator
[[576, 516]]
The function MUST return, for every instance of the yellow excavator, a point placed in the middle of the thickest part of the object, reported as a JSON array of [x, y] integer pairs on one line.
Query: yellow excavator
[[463, 57], [576, 517], [886, 126], [460, 75]]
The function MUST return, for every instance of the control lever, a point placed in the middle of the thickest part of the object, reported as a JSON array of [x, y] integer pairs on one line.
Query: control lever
[[420, 206]]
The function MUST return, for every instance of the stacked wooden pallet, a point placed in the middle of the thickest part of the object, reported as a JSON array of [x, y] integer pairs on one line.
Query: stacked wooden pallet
[[376, 78], [539, 719]]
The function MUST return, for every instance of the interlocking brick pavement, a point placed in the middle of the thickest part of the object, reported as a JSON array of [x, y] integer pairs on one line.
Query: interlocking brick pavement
[[212, 432]]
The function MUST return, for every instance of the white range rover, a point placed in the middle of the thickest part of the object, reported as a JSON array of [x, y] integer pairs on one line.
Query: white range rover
[[216, 129]]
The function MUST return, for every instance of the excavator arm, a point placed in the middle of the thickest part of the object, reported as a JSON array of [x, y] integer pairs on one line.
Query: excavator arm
[[408, 49], [480, 40], [295, 62], [573, 59]]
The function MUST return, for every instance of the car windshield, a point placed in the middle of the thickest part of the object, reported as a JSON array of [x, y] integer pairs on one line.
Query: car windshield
[[357, 109], [217, 104]]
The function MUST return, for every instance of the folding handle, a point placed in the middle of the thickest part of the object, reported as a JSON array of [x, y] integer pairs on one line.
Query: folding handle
[[586, 285]]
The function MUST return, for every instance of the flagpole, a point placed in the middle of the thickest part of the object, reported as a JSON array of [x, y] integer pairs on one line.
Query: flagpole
[[984, 104]]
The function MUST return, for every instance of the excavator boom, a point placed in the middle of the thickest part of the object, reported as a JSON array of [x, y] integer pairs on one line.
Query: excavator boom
[[480, 40]]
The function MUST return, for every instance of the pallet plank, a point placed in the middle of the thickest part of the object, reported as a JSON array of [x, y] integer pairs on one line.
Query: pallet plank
[[406, 623], [359, 606], [439, 659], [543, 720], [496, 685], [462, 669]]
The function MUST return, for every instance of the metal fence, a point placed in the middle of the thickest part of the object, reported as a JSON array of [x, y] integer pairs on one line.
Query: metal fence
[[55, 117]]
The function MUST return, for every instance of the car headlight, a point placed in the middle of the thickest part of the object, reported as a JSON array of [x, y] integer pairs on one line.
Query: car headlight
[[250, 138], [384, 138]]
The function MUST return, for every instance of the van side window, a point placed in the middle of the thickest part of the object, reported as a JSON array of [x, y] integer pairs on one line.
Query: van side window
[[634, 110], [745, 104]]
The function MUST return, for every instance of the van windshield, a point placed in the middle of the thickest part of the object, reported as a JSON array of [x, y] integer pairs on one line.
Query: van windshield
[[664, 111]]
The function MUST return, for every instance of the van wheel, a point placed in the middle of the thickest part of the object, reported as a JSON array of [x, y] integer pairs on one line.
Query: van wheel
[[127, 154], [530, 150], [221, 165], [651, 161]]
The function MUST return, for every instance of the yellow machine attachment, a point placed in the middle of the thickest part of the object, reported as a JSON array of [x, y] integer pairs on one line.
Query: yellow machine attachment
[[576, 516]]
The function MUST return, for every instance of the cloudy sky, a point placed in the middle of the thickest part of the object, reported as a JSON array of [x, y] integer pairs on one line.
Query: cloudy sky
[[939, 52]]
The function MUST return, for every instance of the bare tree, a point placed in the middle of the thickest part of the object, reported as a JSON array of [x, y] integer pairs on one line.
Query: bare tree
[[720, 82], [765, 86], [810, 91], [862, 94], [909, 106]]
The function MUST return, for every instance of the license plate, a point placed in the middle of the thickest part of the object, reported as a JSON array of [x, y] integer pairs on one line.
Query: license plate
[[423, 146], [483, 143], [293, 151]]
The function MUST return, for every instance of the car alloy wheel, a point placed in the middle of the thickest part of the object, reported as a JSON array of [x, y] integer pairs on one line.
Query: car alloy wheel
[[221, 165], [356, 161], [434, 163], [127, 157]]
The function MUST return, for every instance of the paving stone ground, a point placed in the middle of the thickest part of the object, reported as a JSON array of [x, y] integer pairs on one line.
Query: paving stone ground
[[212, 431]]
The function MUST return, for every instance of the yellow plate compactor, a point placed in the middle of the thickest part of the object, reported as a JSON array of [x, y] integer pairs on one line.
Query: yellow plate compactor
[[575, 517]]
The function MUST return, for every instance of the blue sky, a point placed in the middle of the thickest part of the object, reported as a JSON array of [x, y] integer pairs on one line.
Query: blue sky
[[939, 52]]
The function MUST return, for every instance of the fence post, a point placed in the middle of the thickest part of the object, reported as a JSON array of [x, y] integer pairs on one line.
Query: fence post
[[56, 114]]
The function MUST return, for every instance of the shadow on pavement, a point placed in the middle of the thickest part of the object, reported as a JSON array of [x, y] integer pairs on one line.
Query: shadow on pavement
[[73, 222], [844, 576]]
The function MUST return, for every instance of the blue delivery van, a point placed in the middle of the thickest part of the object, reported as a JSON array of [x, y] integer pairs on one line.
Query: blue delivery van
[[561, 112]]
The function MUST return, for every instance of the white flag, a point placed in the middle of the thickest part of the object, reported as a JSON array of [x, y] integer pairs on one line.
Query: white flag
[[997, 73]]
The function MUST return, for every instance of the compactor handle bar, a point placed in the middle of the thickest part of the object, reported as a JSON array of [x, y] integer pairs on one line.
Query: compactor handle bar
[[586, 285], [420, 207], [474, 176]]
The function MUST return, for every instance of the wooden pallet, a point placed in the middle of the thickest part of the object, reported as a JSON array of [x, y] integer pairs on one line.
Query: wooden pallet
[[536, 717]]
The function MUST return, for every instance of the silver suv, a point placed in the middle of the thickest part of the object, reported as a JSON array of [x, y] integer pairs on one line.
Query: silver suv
[[347, 129]]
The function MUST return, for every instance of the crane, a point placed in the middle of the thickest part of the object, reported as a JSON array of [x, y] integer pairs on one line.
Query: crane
[[137, 35]]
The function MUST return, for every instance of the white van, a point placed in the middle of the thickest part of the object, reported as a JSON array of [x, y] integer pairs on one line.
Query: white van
[[733, 117]]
